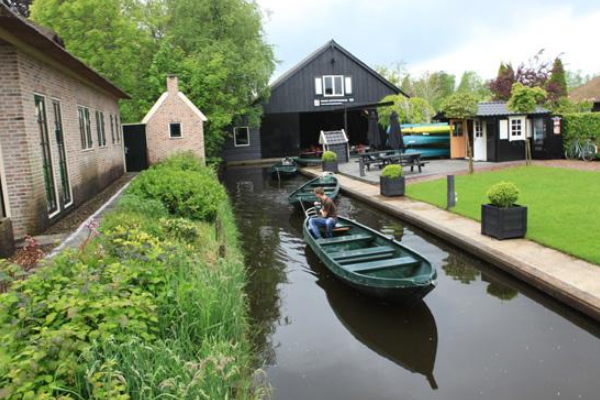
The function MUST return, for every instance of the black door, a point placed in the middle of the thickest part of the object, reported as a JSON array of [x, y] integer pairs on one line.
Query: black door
[[134, 137]]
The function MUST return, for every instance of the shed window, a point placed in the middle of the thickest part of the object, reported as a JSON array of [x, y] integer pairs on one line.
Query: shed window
[[175, 130], [348, 85], [241, 136], [85, 129], [333, 85], [517, 129], [478, 127], [318, 86]]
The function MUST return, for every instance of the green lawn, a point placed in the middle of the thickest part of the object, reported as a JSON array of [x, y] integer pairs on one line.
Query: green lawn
[[563, 205]]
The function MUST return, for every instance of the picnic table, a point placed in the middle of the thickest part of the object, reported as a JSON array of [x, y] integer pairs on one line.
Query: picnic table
[[383, 158]]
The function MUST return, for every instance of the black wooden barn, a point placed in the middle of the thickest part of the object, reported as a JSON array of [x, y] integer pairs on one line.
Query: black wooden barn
[[329, 90]]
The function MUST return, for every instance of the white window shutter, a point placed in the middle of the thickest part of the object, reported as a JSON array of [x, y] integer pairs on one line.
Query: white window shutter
[[348, 84], [529, 126], [318, 86], [503, 129]]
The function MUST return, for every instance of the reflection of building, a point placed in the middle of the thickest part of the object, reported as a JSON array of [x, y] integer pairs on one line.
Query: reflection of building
[[327, 91], [59, 127], [498, 134]]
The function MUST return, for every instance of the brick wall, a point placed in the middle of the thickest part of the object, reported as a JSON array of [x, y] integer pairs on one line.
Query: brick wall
[[174, 110], [90, 171]]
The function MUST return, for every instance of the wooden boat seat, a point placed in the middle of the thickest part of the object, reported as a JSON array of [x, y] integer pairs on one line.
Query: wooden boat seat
[[406, 261], [345, 239], [349, 254], [324, 184]]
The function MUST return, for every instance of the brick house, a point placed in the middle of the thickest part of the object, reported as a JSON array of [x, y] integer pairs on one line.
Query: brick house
[[174, 124], [60, 136]]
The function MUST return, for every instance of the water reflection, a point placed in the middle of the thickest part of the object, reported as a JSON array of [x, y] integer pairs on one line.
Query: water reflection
[[498, 289], [407, 336], [456, 268]]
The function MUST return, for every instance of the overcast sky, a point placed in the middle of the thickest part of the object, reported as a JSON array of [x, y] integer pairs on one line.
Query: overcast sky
[[454, 35]]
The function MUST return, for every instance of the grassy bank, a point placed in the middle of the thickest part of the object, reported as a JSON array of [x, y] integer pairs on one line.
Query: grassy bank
[[152, 307], [563, 210]]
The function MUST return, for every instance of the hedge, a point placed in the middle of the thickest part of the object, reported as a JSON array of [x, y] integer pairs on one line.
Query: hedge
[[580, 126]]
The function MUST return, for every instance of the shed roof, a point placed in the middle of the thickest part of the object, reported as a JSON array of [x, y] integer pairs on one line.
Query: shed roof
[[333, 137], [23, 33], [332, 44], [589, 91], [498, 108]]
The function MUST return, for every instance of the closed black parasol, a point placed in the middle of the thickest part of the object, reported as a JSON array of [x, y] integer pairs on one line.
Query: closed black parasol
[[373, 134], [396, 139]]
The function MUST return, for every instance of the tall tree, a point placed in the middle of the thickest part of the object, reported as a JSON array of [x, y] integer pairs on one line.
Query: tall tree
[[471, 82], [413, 110], [20, 6], [106, 36], [502, 85], [557, 84], [394, 73]]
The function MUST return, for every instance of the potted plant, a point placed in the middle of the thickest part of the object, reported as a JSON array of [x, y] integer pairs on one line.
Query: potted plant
[[503, 218], [391, 181], [329, 159]]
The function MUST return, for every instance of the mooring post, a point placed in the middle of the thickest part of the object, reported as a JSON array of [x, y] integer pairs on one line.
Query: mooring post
[[361, 166], [450, 194]]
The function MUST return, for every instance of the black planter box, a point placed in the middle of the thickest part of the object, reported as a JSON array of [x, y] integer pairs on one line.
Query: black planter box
[[330, 166], [392, 186], [503, 223]]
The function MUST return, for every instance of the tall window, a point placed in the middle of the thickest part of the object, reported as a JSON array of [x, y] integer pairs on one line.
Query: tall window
[[49, 185], [241, 136], [175, 130], [478, 128], [112, 129], [119, 129], [62, 155], [517, 128], [100, 128], [85, 128]]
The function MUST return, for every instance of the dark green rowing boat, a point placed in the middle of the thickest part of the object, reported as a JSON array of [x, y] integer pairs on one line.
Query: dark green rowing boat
[[284, 168], [303, 197], [373, 263]]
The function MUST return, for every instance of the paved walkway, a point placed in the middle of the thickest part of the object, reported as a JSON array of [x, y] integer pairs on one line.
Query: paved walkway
[[570, 280]]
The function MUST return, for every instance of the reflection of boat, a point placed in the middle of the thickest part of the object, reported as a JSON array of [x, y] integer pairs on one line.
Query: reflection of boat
[[373, 263], [284, 168], [304, 195], [426, 140], [407, 336]]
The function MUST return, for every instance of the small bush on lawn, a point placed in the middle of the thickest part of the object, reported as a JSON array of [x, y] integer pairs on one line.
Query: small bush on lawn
[[184, 193], [392, 171], [503, 194], [329, 156]]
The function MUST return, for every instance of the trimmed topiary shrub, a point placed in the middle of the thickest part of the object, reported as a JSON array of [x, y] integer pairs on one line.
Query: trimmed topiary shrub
[[329, 156], [184, 161], [503, 194], [148, 207], [392, 171]]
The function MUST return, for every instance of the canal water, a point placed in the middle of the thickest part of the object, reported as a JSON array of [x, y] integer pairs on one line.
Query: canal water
[[479, 335]]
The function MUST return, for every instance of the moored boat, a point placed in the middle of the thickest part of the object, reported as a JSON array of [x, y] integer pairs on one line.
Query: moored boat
[[284, 168], [372, 262], [304, 196]]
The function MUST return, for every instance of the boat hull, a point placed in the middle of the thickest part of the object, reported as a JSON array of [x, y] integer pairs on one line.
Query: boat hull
[[303, 197], [385, 289]]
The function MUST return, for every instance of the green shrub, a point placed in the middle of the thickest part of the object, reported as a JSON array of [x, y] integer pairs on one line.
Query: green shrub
[[184, 193], [580, 126], [181, 228], [329, 156], [149, 207], [392, 171], [503, 194], [184, 161]]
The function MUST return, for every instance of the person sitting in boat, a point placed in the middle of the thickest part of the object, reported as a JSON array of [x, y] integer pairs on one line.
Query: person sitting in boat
[[327, 218], [287, 161]]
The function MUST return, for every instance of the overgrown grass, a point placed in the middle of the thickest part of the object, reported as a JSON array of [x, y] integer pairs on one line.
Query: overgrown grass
[[150, 309], [563, 204]]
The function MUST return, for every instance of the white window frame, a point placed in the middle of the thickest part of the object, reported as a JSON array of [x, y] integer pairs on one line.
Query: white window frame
[[319, 86], [477, 129], [335, 94], [180, 130], [235, 130], [348, 85], [523, 131], [69, 204], [87, 128], [100, 131]]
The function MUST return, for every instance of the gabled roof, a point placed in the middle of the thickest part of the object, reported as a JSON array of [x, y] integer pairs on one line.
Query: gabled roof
[[588, 92], [164, 97], [332, 44], [333, 137], [498, 108], [23, 33]]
